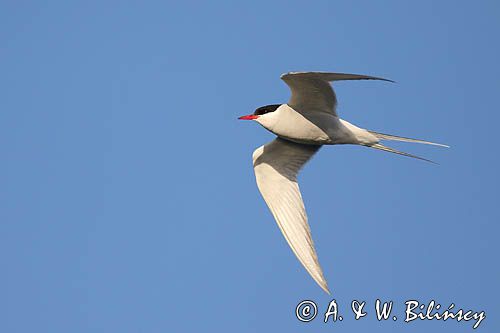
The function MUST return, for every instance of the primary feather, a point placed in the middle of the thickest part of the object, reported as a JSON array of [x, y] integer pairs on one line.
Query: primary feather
[[276, 166]]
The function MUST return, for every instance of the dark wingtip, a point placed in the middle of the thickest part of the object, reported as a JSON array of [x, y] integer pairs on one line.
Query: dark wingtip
[[383, 79]]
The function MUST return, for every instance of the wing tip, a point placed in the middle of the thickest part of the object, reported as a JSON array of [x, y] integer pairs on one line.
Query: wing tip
[[320, 279], [326, 289], [361, 76]]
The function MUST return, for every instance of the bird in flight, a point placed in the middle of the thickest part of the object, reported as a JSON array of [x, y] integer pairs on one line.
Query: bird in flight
[[303, 125]]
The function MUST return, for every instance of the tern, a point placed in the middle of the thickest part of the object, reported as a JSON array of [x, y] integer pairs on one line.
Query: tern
[[303, 125]]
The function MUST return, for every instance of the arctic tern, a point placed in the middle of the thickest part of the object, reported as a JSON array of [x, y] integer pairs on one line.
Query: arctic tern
[[308, 121]]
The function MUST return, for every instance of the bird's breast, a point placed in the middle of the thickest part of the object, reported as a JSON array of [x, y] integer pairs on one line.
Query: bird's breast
[[311, 128]]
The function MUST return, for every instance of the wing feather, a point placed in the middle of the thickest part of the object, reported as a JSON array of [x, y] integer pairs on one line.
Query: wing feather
[[312, 90], [276, 166]]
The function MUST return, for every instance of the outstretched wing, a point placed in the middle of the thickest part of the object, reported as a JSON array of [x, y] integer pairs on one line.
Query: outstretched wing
[[276, 166], [312, 90]]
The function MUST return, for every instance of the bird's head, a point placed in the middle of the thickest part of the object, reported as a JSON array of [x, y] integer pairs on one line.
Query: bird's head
[[264, 115]]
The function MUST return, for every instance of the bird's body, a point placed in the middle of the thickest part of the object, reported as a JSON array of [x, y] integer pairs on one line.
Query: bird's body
[[304, 124], [317, 128]]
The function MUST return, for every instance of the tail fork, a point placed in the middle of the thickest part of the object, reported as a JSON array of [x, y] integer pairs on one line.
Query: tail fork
[[392, 150], [382, 136]]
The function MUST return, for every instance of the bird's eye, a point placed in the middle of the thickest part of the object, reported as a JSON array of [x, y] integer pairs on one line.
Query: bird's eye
[[260, 111], [266, 109]]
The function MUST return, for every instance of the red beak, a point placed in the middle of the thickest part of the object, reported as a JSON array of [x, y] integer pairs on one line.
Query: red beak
[[249, 117]]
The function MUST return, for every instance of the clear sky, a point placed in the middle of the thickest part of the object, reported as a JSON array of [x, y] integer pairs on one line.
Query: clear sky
[[127, 196]]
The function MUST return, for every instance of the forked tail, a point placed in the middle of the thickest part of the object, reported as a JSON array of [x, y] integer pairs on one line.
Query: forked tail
[[392, 150], [382, 136]]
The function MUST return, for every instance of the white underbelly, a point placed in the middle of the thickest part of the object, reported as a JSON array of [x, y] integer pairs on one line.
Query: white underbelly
[[319, 128]]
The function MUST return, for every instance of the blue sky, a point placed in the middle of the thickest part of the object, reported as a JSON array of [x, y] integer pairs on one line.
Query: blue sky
[[128, 201]]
